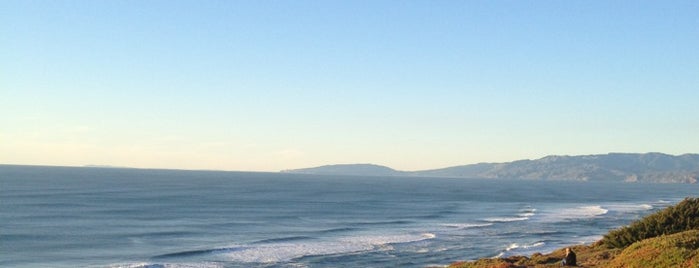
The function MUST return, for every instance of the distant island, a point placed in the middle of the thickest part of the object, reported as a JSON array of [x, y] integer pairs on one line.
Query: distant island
[[620, 167], [103, 166]]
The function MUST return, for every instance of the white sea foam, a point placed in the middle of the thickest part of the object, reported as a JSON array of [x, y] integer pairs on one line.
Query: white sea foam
[[523, 215], [466, 225], [525, 246], [589, 239], [130, 265], [517, 249], [588, 211], [506, 219], [574, 213], [168, 265], [526, 214], [529, 212], [278, 252], [629, 207], [535, 245], [422, 250], [512, 246], [387, 239]]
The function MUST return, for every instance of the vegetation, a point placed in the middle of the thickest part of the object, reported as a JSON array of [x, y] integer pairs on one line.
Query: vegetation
[[667, 238], [681, 217], [588, 256], [676, 250]]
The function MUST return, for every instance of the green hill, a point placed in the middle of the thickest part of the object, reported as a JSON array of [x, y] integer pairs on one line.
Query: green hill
[[667, 238], [675, 250], [681, 217]]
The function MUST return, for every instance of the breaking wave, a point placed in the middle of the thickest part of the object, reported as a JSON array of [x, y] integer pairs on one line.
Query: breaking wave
[[506, 219], [466, 225], [523, 215], [575, 213], [281, 250], [168, 265], [518, 247], [278, 252], [629, 207], [529, 212]]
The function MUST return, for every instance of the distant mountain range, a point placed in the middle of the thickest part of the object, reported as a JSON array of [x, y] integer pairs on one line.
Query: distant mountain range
[[623, 167]]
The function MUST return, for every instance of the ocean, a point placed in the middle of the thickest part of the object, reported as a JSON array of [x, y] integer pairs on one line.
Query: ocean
[[113, 217]]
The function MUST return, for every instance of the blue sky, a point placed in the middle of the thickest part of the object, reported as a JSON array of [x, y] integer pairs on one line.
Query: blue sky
[[271, 85]]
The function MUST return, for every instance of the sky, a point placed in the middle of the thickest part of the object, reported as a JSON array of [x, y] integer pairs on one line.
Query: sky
[[413, 85]]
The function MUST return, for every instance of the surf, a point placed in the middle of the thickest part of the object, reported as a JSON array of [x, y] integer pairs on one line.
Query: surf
[[289, 248]]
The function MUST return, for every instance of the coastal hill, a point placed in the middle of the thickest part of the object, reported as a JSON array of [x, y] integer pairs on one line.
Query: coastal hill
[[622, 167], [667, 238]]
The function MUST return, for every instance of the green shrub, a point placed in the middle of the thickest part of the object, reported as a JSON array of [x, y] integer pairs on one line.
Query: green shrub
[[678, 218]]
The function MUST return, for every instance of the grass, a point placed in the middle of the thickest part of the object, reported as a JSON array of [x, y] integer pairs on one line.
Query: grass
[[588, 256], [676, 250]]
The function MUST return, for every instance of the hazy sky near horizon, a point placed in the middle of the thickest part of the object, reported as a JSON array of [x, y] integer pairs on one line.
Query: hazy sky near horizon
[[272, 85]]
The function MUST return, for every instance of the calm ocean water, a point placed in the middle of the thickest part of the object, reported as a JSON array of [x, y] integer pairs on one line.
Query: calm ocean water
[[104, 217]]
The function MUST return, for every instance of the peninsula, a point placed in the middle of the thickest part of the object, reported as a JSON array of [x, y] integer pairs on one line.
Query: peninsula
[[619, 167]]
